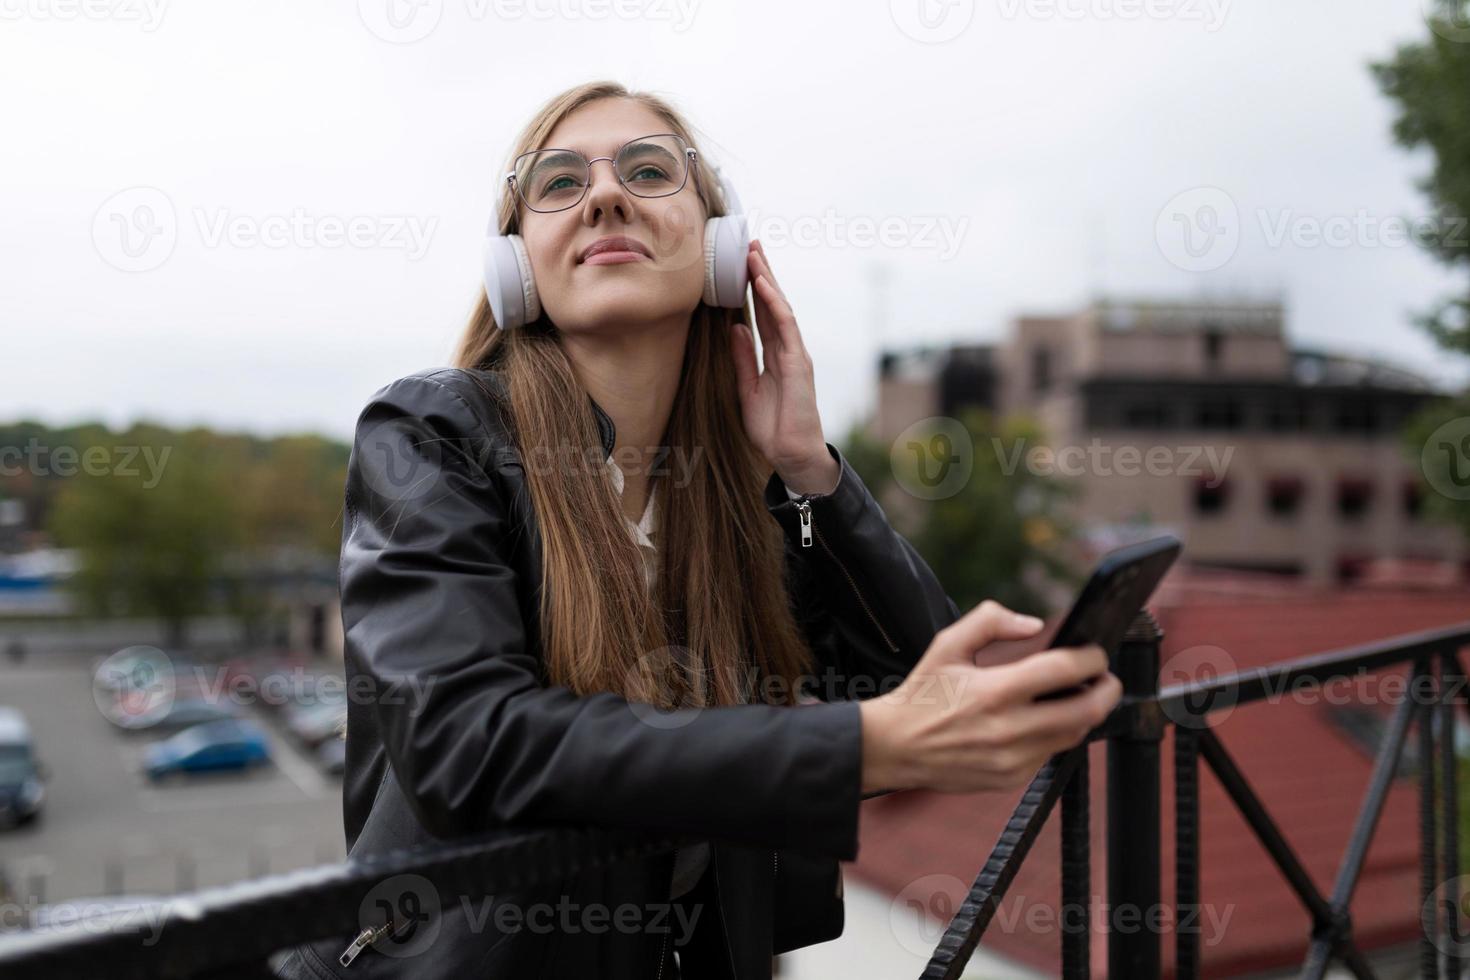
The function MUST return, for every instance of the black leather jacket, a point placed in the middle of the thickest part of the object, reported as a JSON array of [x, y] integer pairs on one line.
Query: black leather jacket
[[462, 733]]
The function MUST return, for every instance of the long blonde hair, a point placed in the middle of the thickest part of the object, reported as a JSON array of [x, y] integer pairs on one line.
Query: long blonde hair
[[719, 616]]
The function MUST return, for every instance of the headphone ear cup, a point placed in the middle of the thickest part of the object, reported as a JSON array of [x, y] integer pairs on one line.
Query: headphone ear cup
[[509, 285], [726, 246]]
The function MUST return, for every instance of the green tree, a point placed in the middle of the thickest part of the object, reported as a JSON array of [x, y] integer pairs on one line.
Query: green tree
[[1429, 82], [1001, 535], [148, 548]]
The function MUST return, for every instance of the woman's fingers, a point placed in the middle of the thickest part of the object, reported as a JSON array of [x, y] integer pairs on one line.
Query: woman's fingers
[[766, 264], [765, 317], [1049, 670], [1062, 717], [986, 622]]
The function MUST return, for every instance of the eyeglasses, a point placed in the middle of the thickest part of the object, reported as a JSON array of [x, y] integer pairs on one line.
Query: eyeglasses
[[648, 166]]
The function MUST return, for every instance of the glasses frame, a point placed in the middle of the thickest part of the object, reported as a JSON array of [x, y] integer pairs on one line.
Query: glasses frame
[[691, 160]]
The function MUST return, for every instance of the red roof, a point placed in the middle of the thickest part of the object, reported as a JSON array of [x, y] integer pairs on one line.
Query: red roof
[[1310, 777]]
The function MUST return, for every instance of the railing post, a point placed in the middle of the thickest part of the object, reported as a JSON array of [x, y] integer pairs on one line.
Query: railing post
[[1133, 811]]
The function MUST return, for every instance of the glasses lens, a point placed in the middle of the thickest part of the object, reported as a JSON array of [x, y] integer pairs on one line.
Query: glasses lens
[[551, 180], [653, 166]]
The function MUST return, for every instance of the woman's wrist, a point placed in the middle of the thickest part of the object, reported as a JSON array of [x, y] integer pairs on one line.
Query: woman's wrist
[[819, 476], [886, 764]]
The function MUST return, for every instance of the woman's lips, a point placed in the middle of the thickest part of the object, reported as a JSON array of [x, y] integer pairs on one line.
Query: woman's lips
[[614, 258]]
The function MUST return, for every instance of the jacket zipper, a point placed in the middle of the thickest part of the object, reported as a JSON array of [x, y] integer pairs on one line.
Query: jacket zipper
[[663, 946], [364, 939], [720, 910], [804, 508]]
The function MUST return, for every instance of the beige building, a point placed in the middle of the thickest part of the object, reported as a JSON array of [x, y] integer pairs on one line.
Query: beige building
[[1200, 419]]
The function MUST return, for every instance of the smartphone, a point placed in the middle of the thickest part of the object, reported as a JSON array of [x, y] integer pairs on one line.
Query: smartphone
[[1120, 584]]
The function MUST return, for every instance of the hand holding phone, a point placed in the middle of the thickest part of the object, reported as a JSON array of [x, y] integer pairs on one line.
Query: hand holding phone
[[1120, 585]]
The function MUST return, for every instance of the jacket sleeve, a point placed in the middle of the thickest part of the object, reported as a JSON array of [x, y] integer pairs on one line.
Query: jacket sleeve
[[431, 606], [872, 604]]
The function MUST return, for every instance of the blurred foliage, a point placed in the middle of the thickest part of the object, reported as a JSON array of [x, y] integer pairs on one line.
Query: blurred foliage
[[1443, 465], [1001, 536], [1429, 82], [178, 523]]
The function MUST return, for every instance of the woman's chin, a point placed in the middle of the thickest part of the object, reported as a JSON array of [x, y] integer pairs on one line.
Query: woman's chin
[[616, 312]]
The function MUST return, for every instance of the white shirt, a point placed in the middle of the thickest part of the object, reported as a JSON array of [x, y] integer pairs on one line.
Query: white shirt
[[689, 862]]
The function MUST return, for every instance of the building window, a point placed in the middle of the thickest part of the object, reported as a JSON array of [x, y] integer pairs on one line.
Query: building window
[[1354, 495], [1284, 495], [1350, 568], [1413, 499], [1214, 346], [1286, 415], [1211, 493], [1147, 413], [1217, 412], [1040, 369], [1354, 415]]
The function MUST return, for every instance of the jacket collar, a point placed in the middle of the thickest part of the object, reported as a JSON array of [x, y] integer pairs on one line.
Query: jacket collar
[[605, 428], [609, 433]]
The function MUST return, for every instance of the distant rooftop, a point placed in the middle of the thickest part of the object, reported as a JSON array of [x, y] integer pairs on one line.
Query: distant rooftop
[[1318, 367], [1236, 316]]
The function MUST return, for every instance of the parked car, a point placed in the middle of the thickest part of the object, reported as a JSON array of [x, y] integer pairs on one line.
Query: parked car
[[215, 745], [140, 666], [186, 713], [331, 755], [22, 775], [313, 723]]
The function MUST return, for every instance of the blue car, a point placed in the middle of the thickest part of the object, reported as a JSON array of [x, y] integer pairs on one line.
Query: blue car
[[21, 773], [212, 746]]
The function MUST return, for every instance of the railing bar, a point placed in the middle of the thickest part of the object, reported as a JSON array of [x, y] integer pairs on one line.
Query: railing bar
[[1264, 827], [1186, 851], [962, 935], [1450, 807], [1272, 679], [1077, 871], [1321, 952], [1353, 959], [1428, 954], [1384, 768], [1134, 808], [233, 926]]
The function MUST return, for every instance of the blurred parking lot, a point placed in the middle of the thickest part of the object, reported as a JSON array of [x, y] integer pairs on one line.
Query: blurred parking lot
[[106, 828]]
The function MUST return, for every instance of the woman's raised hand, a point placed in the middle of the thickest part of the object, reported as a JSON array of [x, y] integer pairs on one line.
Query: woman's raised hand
[[778, 399], [955, 727]]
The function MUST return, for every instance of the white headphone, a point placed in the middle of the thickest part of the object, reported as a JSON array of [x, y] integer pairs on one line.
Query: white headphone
[[511, 289]]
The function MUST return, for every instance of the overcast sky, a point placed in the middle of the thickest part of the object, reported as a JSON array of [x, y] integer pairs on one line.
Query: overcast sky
[[1016, 155]]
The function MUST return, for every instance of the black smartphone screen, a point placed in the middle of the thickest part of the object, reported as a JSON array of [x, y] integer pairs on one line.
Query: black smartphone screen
[[1117, 590]]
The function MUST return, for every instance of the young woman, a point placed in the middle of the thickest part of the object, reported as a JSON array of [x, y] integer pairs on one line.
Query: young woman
[[606, 570]]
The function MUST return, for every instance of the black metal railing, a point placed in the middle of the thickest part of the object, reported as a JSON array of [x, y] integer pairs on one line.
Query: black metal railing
[[231, 932], [1134, 735]]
